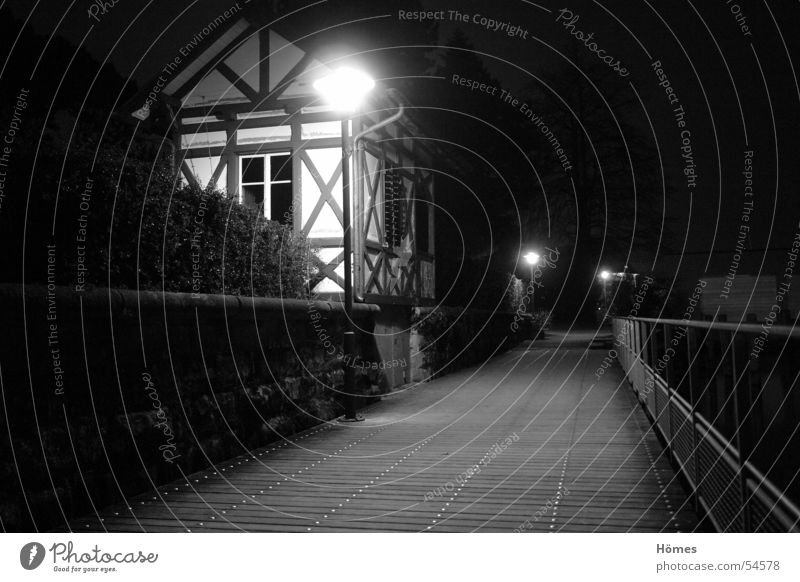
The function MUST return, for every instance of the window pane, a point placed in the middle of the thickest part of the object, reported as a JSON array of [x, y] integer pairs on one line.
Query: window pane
[[253, 135], [281, 167], [321, 130], [253, 169], [253, 196], [205, 139], [281, 203]]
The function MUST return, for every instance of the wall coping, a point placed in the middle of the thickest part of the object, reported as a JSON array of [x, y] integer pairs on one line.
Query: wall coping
[[125, 301]]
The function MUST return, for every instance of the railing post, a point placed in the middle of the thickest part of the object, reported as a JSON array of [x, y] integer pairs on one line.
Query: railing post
[[652, 357], [652, 353], [691, 350], [668, 379], [755, 422], [637, 329], [710, 390], [741, 412], [624, 334], [622, 343]]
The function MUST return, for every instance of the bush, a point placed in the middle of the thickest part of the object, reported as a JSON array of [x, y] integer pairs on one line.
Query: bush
[[136, 228], [203, 241], [540, 322], [453, 338]]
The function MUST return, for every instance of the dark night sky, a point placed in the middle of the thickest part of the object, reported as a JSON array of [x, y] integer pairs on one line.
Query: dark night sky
[[136, 37], [698, 64], [712, 65]]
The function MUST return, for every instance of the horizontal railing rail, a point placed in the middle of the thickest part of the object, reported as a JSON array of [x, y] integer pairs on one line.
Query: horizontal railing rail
[[743, 327], [724, 398]]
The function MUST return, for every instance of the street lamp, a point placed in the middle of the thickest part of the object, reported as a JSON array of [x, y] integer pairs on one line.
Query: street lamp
[[345, 89]]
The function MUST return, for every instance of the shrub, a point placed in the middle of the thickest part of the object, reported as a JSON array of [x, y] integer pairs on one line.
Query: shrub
[[453, 338], [202, 240], [540, 321], [136, 228]]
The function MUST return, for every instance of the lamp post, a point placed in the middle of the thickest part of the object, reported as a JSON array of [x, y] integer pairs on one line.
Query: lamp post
[[604, 277], [345, 89], [533, 259]]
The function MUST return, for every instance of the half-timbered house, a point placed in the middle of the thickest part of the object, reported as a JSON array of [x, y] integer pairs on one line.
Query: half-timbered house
[[246, 119]]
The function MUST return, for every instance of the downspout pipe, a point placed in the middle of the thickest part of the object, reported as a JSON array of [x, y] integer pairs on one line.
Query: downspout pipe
[[359, 137], [358, 145]]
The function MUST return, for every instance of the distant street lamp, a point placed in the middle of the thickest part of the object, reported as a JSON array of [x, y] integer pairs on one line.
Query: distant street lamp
[[532, 258], [345, 90], [604, 277]]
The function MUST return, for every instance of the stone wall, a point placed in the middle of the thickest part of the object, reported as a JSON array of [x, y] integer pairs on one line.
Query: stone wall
[[105, 393]]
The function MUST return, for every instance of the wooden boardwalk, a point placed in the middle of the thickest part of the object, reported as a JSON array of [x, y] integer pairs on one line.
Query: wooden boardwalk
[[578, 456]]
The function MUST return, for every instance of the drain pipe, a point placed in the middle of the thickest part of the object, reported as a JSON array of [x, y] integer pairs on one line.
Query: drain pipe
[[358, 145], [381, 124], [350, 414]]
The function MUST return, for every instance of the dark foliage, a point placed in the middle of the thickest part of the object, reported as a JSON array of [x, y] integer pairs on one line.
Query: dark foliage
[[127, 224]]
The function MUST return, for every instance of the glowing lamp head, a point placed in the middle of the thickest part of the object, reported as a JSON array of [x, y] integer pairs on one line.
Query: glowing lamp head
[[604, 275], [345, 88], [532, 258]]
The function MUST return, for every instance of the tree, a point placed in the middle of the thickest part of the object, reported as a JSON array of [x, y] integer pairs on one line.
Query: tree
[[478, 224], [601, 205]]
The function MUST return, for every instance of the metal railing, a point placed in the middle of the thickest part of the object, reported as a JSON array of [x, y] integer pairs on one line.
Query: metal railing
[[725, 399]]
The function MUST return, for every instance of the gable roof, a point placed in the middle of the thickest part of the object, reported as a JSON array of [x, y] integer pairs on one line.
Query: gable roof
[[248, 66], [239, 62]]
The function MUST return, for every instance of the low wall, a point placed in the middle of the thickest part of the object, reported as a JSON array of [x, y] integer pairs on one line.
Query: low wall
[[105, 393]]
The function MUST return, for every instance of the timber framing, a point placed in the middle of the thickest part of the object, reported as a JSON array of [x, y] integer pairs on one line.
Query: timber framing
[[252, 97]]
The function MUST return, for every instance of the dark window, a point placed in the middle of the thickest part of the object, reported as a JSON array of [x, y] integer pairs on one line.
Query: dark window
[[281, 168], [266, 184], [281, 202], [253, 170]]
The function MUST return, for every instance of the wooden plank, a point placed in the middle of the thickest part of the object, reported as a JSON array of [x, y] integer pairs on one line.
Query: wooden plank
[[587, 447]]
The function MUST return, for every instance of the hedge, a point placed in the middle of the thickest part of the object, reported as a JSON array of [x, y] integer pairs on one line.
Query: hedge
[[116, 217]]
